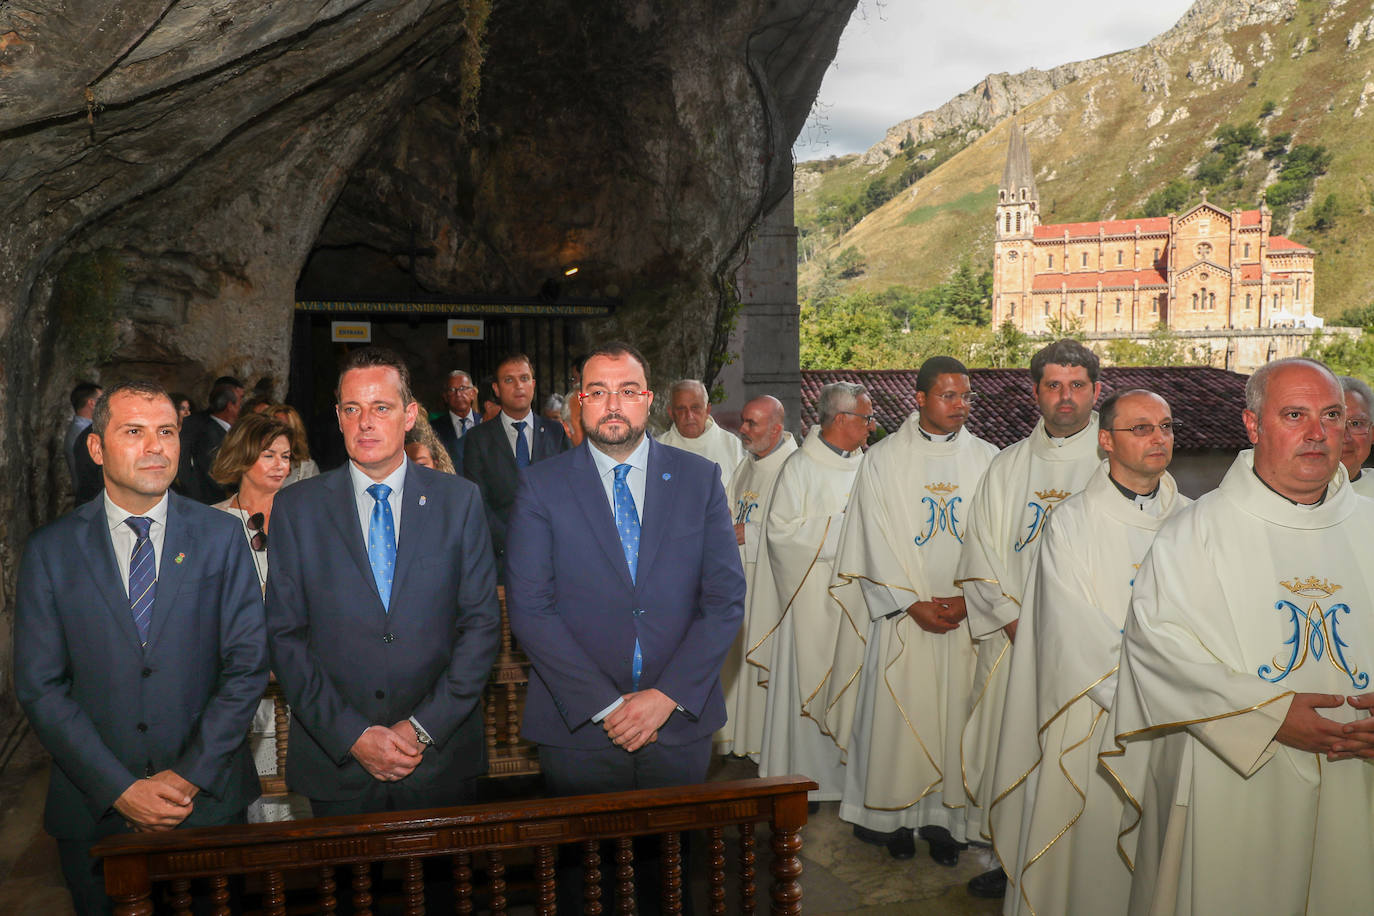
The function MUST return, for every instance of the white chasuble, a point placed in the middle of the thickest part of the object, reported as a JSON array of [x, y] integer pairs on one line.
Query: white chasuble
[[896, 697], [714, 444], [1054, 814], [1243, 600], [1021, 487], [751, 487], [1364, 484], [792, 637]]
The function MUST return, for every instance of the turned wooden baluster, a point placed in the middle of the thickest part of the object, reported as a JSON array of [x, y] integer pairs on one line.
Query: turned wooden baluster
[[489, 719], [496, 869], [329, 903], [413, 886], [512, 716], [274, 893], [281, 727], [219, 895], [132, 904], [715, 861], [462, 883], [591, 878], [672, 873], [786, 868], [748, 890], [362, 888], [625, 876], [181, 896], [545, 900]]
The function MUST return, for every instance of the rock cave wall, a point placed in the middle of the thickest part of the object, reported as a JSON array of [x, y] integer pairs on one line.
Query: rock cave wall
[[171, 171]]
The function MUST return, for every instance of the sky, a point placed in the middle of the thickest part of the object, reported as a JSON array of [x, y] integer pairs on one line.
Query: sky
[[899, 58]]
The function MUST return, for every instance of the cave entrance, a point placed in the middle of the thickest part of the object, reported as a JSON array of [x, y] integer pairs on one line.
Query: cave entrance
[[488, 328]]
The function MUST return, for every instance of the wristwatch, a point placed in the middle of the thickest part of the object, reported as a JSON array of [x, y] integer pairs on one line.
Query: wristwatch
[[421, 735]]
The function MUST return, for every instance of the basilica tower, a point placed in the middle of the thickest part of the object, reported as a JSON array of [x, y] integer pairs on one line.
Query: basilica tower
[[1018, 213]]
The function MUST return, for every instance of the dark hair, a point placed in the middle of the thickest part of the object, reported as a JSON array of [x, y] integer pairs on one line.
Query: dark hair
[[1106, 414], [150, 390], [226, 391], [935, 367], [514, 357], [613, 349], [243, 444], [486, 390], [228, 380], [177, 397], [1066, 352], [375, 358], [83, 392]]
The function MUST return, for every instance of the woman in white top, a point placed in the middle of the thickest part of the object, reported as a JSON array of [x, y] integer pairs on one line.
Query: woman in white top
[[254, 462]]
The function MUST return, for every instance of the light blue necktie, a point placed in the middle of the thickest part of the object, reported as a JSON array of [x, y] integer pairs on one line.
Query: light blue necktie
[[522, 448], [142, 575], [627, 526], [381, 542]]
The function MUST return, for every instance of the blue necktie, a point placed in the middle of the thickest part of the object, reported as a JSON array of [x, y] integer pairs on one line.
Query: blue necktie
[[522, 448], [381, 542], [627, 526], [142, 576]]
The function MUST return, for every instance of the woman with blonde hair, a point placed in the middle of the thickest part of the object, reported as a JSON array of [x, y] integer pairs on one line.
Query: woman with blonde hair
[[302, 465], [422, 443]]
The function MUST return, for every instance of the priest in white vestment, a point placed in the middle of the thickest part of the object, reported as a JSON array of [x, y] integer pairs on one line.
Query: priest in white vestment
[[899, 686], [1242, 736], [791, 638], [1055, 815], [1022, 485], [694, 430], [1359, 400], [768, 445]]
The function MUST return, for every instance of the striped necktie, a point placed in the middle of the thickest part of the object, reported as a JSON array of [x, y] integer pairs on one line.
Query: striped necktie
[[142, 575], [627, 526]]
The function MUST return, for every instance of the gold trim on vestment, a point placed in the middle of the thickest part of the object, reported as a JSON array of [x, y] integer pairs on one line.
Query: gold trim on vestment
[[963, 768], [907, 719], [1120, 749], [960, 584], [788, 607]]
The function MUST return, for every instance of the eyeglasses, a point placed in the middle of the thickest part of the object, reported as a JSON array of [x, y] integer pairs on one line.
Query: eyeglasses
[[255, 524], [1168, 428], [1357, 425], [460, 388], [866, 417], [951, 397], [603, 395]]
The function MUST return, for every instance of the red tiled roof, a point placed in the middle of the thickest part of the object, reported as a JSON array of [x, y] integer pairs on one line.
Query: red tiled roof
[[1282, 243], [1250, 218], [1207, 401], [1249, 273], [1082, 280], [1110, 227]]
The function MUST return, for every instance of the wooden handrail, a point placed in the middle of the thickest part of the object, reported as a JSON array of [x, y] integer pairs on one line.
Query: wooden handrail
[[134, 861]]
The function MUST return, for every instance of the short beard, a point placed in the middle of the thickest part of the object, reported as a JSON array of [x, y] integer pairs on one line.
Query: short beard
[[613, 443]]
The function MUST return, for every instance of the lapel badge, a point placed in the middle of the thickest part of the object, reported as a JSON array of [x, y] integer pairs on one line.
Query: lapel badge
[[178, 558], [667, 476], [423, 500]]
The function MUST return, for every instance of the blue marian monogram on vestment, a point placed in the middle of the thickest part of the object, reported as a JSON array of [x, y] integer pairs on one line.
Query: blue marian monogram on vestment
[[1041, 511], [745, 506], [1315, 632], [943, 513]]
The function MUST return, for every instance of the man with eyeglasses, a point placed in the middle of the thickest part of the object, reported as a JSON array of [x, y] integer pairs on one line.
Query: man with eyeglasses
[[791, 636], [453, 424], [1022, 485], [1240, 730], [1359, 401], [1054, 813], [693, 429], [903, 664]]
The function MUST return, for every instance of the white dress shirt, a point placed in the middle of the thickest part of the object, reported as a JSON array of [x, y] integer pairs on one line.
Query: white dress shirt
[[364, 501], [461, 425], [123, 537], [508, 424]]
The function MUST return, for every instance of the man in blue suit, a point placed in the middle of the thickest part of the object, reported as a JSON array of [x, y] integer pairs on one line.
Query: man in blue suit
[[381, 613], [625, 589], [495, 452], [452, 425], [140, 653]]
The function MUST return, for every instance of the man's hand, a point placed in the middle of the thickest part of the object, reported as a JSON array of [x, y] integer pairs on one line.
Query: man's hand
[[154, 804], [1305, 729], [739, 533], [388, 754], [1357, 738], [1011, 630], [636, 722], [955, 609], [175, 780], [929, 616]]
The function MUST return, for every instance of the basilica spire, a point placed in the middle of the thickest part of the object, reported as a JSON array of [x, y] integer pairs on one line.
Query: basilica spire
[[1018, 178]]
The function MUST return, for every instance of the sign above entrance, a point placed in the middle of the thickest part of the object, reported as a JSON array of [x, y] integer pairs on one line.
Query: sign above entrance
[[494, 307], [465, 328], [350, 331]]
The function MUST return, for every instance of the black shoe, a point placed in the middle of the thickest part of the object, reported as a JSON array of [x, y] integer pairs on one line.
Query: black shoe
[[944, 849], [813, 807], [989, 885], [903, 844], [873, 837]]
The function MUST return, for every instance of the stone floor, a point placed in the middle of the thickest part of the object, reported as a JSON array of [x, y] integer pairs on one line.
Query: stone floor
[[841, 875]]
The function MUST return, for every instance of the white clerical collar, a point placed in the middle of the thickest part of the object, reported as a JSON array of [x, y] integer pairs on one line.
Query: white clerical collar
[[935, 437], [1141, 500], [1308, 506], [1061, 441], [834, 448]]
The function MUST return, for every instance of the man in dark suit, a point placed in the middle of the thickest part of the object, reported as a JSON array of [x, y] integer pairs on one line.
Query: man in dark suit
[[496, 451], [201, 436], [140, 652], [381, 613], [625, 589], [453, 424]]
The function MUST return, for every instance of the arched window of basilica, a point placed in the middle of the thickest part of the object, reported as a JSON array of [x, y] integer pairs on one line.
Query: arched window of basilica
[[1050, 263], [1018, 222], [1212, 301], [1118, 305], [1119, 255], [1195, 302], [1082, 307], [1247, 301], [1008, 229]]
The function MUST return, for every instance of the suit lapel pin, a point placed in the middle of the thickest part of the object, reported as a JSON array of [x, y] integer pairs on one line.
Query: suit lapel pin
[[178, 558], [423, 499], [667, 476]]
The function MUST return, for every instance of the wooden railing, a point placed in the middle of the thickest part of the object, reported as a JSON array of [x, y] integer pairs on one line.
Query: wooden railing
[[313, 852]]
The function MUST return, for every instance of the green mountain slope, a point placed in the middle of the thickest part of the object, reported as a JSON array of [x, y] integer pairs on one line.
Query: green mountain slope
[[1124, 128]]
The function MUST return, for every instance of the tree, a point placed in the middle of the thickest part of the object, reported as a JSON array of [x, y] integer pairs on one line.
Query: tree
[[1359, 317], [1345, 354], [1324, 214], [1008, 348], [851, 263], [1169, 199]]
